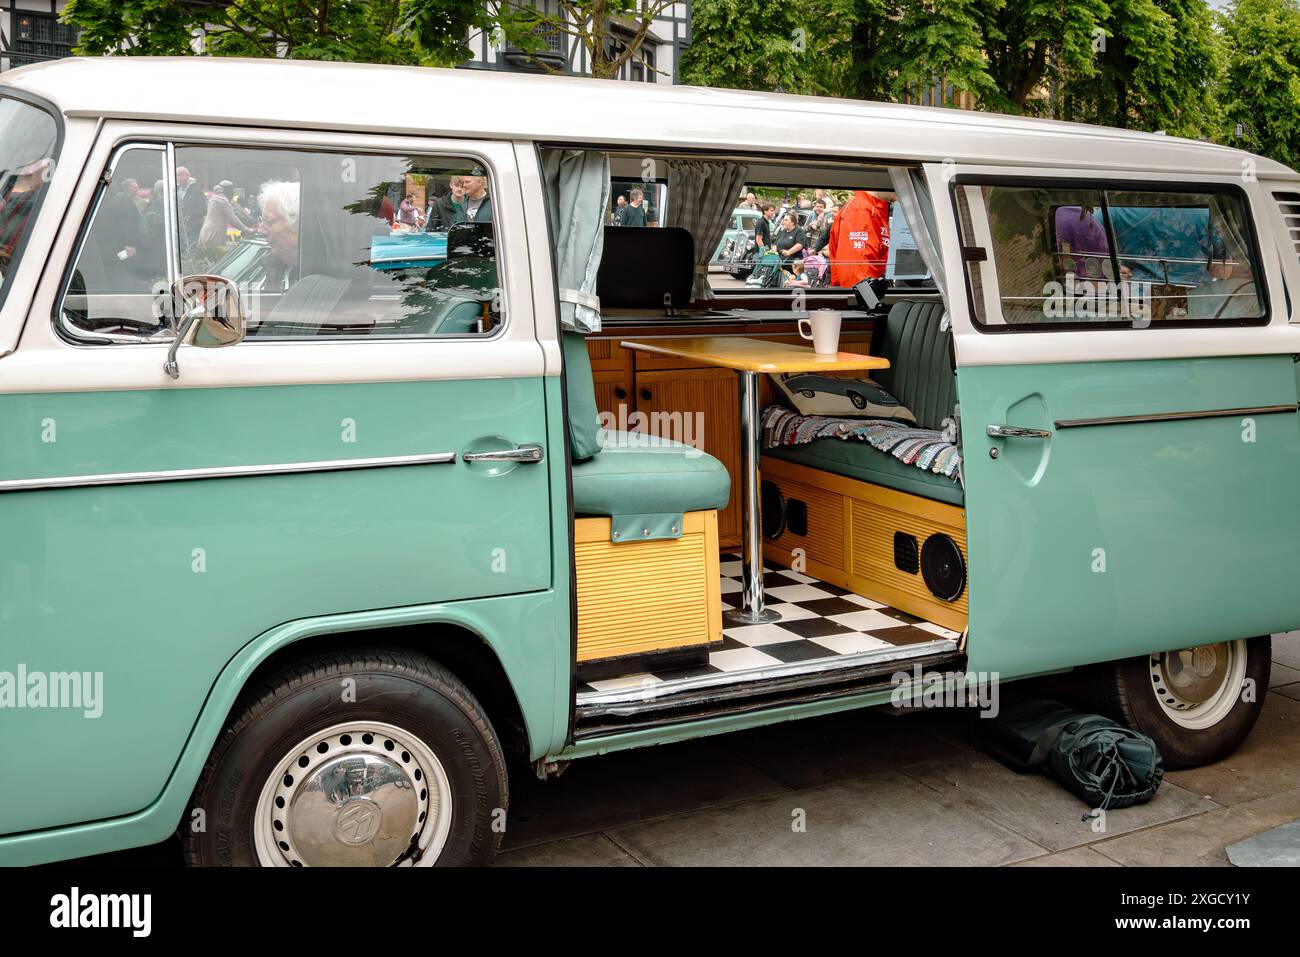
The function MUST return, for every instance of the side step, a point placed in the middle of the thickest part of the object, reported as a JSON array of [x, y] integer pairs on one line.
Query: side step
[[685, 699]]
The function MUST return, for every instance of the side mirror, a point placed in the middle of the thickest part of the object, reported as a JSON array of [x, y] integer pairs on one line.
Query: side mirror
[[209, 314]]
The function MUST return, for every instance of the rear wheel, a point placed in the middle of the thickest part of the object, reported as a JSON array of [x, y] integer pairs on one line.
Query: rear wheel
[[368, 758], [1198, 704]]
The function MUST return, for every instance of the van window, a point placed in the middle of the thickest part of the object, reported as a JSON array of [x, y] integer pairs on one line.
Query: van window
[[318, 244], [28, 139], [1084, 257], [122, 263]]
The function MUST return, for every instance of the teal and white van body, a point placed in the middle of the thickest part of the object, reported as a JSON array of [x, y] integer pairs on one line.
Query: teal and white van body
[[226, 553]]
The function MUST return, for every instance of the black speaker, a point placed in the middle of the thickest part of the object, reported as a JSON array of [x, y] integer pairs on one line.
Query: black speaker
[[772, 504], [943, 568], [905, 559]]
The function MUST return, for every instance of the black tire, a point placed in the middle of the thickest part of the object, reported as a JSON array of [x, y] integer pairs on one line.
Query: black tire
[[393, 686], [1130, 694]]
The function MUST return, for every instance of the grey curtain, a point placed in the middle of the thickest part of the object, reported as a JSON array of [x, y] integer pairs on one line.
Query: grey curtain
[[914, 196], [701, 197], [577, 197]]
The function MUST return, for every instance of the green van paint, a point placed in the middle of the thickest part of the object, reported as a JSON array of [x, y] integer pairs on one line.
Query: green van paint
[[1109, 541], [163, 587]]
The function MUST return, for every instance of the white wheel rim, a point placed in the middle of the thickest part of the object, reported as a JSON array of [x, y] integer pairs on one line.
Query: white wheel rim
[[1197, 687], [354, 794]]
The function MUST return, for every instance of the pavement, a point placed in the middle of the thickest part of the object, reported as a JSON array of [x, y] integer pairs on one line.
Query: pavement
[[870, 787], [873, 788]]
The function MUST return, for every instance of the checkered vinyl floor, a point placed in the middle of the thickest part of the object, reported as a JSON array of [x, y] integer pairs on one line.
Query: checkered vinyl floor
[[818, 620]]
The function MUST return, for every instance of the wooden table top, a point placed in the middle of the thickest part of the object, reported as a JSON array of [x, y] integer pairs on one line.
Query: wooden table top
[[754, 355]]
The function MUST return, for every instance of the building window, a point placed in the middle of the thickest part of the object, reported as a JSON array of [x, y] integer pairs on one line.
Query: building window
[[38, 36]]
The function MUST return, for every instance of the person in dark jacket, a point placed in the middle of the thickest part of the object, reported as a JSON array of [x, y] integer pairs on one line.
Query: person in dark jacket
[[791, 242], [193, 206]]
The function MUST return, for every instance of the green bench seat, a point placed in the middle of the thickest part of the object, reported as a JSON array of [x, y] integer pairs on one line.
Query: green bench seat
[[920, 375], [644, 482]]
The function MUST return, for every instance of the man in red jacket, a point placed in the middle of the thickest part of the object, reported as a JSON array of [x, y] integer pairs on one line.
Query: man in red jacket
[[859, 245]]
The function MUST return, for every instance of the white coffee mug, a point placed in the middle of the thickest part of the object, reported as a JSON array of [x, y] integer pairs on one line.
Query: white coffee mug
[[824, 331]]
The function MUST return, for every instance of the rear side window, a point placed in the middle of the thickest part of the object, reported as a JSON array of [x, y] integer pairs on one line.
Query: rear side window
[[28, 143], [1081, 257]]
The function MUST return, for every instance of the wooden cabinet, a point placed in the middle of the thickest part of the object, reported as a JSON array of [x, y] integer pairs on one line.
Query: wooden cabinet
[[701, 408], [686, 401]]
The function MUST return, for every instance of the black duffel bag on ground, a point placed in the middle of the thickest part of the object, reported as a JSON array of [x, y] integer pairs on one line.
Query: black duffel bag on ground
[[1097, 759]]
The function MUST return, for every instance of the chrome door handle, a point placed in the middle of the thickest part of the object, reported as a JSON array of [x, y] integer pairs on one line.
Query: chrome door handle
[[1016, 432], [520, 453]]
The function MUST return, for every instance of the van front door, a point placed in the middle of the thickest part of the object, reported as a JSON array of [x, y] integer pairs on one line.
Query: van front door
[[377, 441], [1128, 412]]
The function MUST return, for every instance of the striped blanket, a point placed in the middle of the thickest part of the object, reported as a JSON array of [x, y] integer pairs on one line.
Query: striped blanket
[[925, 448]]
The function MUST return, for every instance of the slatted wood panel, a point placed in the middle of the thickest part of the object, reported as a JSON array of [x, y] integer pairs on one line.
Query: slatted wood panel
[[714, 393], [873, 525], [825, 539], [638, 597], [870, 516]]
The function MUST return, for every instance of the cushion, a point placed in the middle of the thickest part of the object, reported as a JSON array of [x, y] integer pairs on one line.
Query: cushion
[[638, 474], [920, 373], [811, 394], [856, 459], [580, 390]]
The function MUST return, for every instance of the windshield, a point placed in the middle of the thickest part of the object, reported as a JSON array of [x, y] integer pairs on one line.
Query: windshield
[[28, 136]]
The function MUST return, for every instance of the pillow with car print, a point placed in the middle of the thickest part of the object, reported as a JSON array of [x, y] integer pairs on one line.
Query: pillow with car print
[[811, 394]]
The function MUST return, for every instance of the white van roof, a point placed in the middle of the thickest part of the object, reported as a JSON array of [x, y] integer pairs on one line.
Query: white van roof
[[483, 103]]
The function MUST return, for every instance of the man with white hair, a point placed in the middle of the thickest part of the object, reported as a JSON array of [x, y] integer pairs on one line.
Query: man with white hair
[[280, 202]]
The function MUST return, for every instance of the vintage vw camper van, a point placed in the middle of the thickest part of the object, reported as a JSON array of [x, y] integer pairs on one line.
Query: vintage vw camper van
[[342, 460]]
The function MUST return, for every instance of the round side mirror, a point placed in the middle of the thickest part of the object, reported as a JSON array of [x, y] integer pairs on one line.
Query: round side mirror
[[209, 314]]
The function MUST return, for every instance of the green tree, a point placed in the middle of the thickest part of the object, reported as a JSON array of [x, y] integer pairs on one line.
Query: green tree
[[1262, 79], [1032, 44], [1160, 68], [748, 46], [424, 32]]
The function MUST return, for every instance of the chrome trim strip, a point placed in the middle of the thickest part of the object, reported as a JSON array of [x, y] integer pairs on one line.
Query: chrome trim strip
[[228, 471], [653, 695], [1175, 416]]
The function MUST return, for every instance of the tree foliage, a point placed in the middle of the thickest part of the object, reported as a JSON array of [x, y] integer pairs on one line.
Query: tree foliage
[[1261, 89]]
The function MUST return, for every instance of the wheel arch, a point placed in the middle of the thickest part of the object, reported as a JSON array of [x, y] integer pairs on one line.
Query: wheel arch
[[454, 635]]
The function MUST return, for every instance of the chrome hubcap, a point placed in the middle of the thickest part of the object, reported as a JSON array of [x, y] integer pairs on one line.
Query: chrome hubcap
[[1197, 687], [354, 795]]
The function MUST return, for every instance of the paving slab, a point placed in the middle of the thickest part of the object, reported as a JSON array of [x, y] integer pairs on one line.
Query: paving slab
[[1291, 691], [1039, 808], [589, 850], [1282, 675], [1268, 762], [1201, 840], [885, 819], [1074, 857], [1279, 847], [597, 793], [1286, 649], [819, 751]]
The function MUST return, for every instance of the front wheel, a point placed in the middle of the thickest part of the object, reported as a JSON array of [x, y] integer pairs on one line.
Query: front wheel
[[374, 758], [1197, 704]]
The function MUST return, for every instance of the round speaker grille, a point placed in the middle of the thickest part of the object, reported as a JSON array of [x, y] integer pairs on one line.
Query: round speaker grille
[[943, 568]]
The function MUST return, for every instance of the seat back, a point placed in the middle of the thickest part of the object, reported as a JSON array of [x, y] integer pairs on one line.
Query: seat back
[[646, 268], [920, 373]]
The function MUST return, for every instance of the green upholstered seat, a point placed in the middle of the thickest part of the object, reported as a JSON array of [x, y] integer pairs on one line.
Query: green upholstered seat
[[920, 376], [639, 476], [580, 392], [856, 459], [920, 371]]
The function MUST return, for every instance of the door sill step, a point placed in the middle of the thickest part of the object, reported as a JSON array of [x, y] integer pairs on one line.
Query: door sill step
[[767, 681]]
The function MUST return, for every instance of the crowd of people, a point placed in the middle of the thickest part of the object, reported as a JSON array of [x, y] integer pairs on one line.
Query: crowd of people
[[819, 242]]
